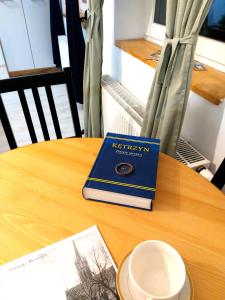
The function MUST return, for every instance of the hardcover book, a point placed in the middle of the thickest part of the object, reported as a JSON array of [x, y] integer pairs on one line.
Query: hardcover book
[[124, 172]]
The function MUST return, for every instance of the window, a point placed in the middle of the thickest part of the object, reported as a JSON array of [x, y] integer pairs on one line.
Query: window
[[214, 25], [212, 33], [160, 12]]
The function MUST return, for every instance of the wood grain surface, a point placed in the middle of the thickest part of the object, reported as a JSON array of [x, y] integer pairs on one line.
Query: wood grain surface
[[209, 84], [41, 202], [33, 71]]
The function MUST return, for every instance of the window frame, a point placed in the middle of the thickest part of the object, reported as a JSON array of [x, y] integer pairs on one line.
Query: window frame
[[216, 58]]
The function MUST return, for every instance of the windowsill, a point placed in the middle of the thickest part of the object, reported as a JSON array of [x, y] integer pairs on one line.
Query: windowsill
[[208, 84]]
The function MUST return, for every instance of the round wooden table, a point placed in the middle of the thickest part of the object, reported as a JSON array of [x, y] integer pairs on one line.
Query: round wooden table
[[41, 202]]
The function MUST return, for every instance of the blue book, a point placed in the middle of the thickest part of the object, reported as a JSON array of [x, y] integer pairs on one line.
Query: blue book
[[124, 172]]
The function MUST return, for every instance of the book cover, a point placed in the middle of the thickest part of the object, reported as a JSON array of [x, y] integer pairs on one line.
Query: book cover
[[137, 157]]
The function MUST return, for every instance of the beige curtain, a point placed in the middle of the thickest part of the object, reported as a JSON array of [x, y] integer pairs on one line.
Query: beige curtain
[[93, 70], [171, 86]]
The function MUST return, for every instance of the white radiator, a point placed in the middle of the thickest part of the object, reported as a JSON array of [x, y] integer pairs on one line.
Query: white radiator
[[123, 113], [115, 118]]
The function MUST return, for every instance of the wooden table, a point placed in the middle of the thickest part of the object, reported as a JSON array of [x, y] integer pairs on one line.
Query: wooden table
[[41, 202]]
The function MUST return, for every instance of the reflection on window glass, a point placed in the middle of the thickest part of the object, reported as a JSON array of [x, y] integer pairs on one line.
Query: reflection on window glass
[[160, 12], [214, 26], [216, 15]]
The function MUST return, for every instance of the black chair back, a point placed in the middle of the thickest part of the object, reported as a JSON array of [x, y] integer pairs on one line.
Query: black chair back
[[33, 82], [219, 178]]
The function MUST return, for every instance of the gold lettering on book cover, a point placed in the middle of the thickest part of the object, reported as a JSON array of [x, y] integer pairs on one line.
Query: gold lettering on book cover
[[130, 147]]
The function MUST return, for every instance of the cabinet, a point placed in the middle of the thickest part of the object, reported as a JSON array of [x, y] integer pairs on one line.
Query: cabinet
[[25, 34]]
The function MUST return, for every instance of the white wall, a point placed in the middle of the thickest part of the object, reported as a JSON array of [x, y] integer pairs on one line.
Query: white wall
[[204, 124], [132, 18], [2, 61]]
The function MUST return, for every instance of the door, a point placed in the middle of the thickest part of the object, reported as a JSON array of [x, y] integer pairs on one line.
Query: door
[[14, 36], [37, 14]]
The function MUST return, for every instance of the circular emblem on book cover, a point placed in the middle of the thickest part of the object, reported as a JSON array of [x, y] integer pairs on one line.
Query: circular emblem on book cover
[[124, 169]]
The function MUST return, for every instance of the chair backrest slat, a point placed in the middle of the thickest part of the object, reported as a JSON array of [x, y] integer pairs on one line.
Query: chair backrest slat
[[53, 111], [219, 178], [6, 125], [73, 105], [27, 116], [40, 112]]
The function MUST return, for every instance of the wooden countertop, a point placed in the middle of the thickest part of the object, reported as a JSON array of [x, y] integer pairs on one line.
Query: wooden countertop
[[41, 202], [209, 84]]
